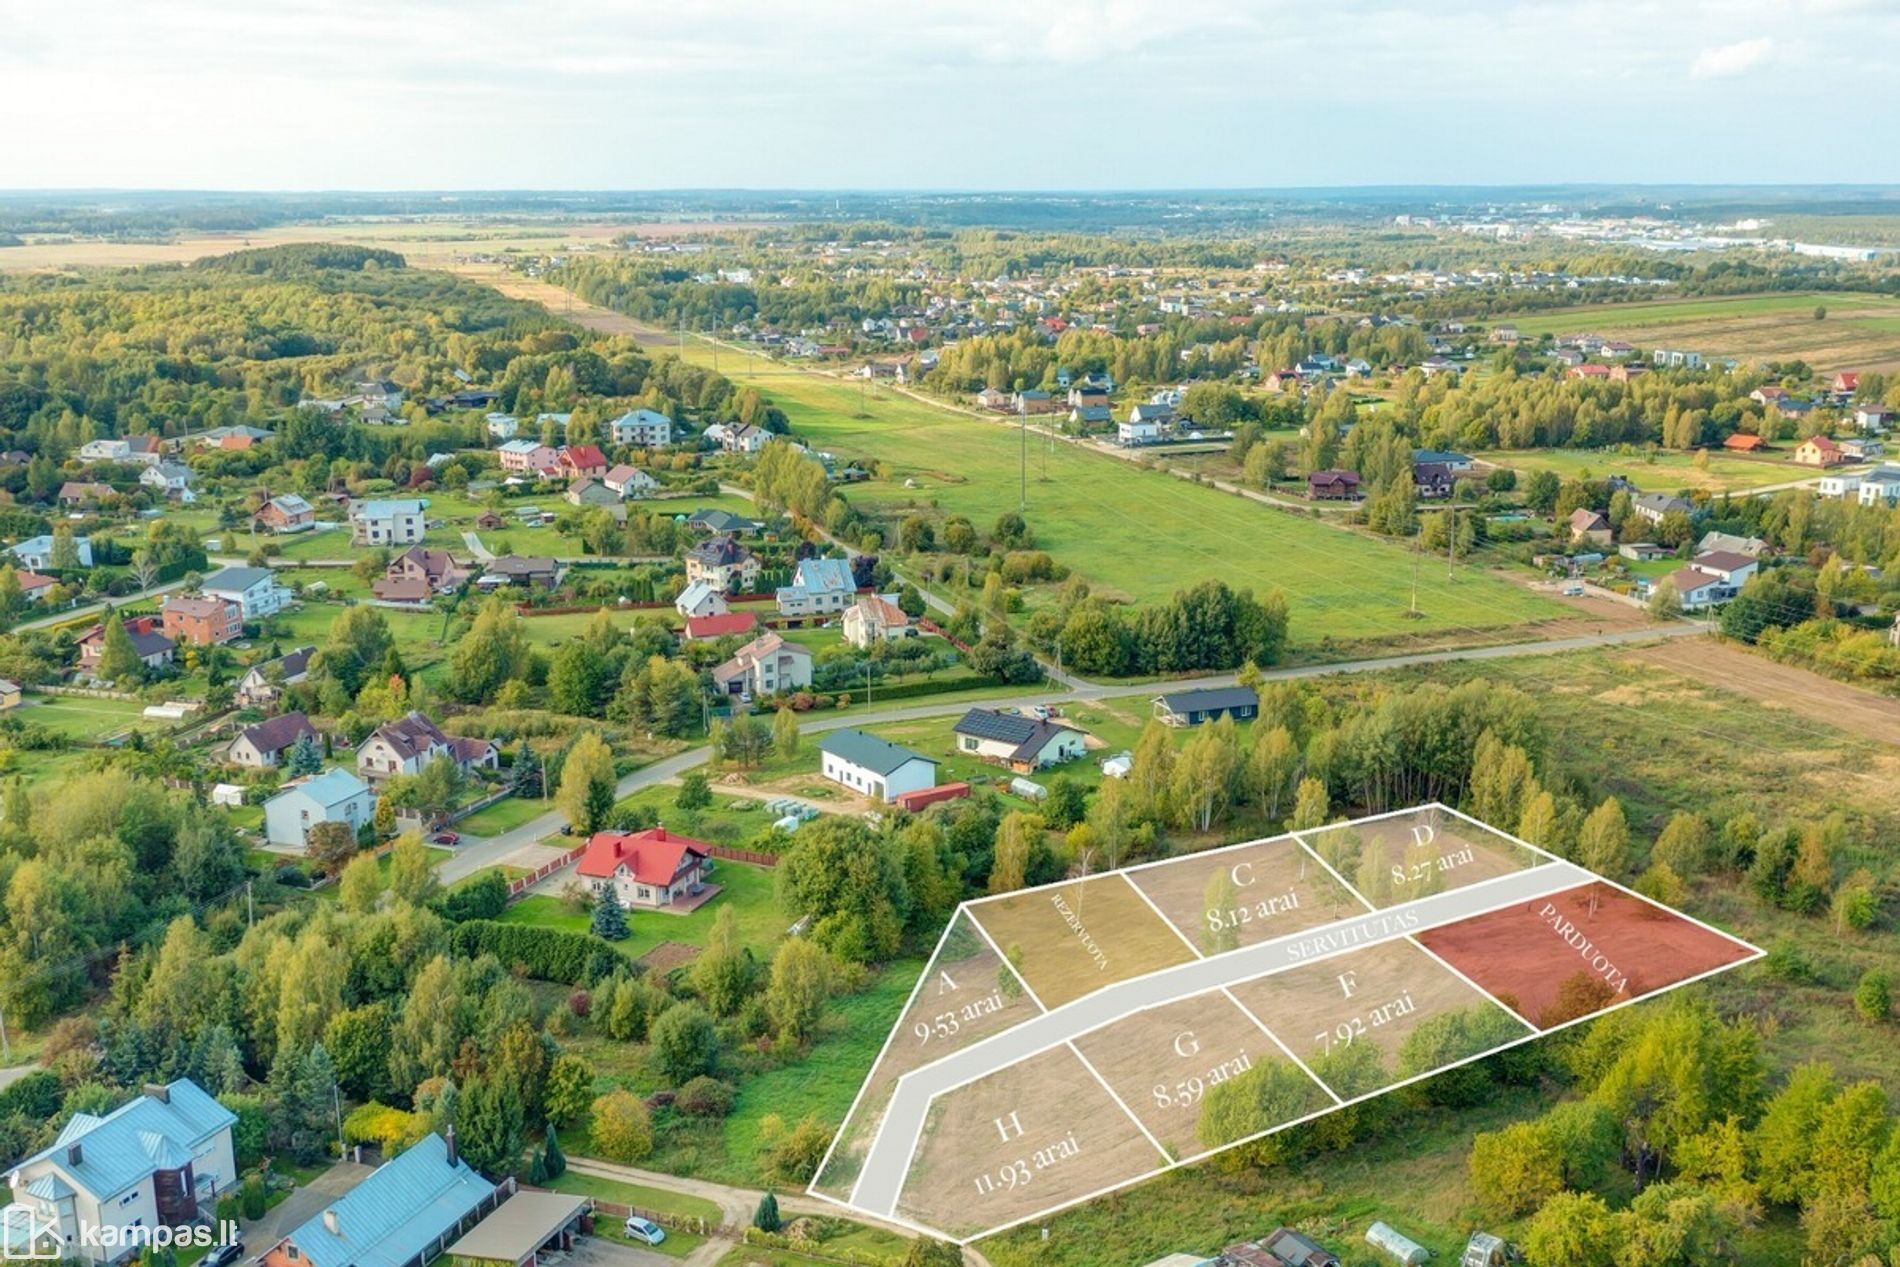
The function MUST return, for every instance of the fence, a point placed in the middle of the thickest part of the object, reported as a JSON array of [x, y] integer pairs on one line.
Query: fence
[[479, 804], [522, 884], [678, 1222], [91, 692], [744, 855]]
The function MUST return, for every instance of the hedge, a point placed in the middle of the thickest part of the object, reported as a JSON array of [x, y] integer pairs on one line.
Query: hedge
[[546, 954], [36, 1096]]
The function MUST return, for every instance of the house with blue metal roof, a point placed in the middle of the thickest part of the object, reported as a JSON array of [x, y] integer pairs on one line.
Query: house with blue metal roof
[[335, 796], [818, 586], [407, 1212], [159, 1160]]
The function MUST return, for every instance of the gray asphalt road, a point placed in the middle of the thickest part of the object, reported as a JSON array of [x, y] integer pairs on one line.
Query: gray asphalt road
[[881, 1177], [476, 855]]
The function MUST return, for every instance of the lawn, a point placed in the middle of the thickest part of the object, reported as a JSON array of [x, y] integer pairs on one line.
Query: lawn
[[660, 1200], [81, 716], [1861, 331], [503, 815], [747, 890], [1654, 471], [1139, 534]]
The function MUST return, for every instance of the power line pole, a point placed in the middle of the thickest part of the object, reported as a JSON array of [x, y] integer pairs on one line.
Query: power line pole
[[1022, 410]]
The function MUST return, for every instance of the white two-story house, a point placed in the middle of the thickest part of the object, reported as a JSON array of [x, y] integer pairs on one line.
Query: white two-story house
[[160, 1160]]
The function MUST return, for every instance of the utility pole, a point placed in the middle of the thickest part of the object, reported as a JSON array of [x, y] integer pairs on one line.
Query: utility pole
[[1023, 495], [336, 1104], [250, 907], [1418, 548], [6, 1048], [1451, 551]]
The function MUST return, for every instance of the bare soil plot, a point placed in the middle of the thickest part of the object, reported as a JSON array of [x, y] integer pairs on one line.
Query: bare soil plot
[[1350, 1017], [1167, 1064], [1071, 939], [1724, 665], [1563, 956], [965, 995], [1228, 898], [1036, 1135], [1402, 857]]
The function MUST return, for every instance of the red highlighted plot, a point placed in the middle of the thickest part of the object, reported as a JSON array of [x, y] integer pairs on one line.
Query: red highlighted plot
[[1556, 958]]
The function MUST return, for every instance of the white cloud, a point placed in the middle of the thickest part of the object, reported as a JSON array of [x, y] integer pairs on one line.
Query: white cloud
[[1728, 60]]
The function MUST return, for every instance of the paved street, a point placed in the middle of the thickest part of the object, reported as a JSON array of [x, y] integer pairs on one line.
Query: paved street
[[492, 850]]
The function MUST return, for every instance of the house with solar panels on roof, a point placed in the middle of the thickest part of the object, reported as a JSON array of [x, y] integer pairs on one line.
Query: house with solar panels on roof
[[161, 1159], [1022, 743]]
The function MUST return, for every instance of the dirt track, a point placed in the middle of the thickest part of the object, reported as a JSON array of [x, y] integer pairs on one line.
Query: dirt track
[[1780, 686]]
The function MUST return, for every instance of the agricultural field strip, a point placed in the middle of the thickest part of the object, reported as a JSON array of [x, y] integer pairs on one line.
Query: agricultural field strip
[[886, 1163]]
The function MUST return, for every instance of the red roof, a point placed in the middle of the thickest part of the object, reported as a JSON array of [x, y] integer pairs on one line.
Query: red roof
[[911, 802], [1742, 440], [30, 581], [583, 457], [1847, 381], [653, 856], [720, 626]]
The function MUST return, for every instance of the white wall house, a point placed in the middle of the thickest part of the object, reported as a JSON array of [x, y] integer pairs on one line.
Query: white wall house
[[160, 1160], [818, 586], [873, 767], [255, 591], [335, 796], [36, 553], [398, 521], [642, 429]]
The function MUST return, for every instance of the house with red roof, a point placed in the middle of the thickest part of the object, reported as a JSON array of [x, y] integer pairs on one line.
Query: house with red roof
[[1820, 451], [699, 628], [1846, 383], [1743, 442], [653, 868], [583, 459]]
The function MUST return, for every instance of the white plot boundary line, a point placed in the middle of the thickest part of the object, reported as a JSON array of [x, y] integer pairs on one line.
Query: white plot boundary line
[[1578, 877], [1119, 1102], [1275, 1038], [1020, 979], [1172, 926], [1752, 954], [1421, 946], [943, 939], [924, 1118]]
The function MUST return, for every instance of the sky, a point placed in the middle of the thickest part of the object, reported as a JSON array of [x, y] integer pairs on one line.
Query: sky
[[942, 94]]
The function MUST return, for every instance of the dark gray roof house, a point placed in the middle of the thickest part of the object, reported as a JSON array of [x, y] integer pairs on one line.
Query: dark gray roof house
[[1191, 708]]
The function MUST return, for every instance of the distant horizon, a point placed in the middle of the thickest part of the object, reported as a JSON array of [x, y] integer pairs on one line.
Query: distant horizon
[[949, 191], [416, 95]]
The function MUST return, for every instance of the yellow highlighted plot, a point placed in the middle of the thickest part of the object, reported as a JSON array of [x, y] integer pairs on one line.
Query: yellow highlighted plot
[[1072, 939]]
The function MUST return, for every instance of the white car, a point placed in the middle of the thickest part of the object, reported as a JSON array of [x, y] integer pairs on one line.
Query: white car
[[639, 1229]]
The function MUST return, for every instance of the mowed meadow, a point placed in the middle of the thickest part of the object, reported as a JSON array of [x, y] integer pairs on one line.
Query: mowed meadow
[[1133, 533], [1860, 331]]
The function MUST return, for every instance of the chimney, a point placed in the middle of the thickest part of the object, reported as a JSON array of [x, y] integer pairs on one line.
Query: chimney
[[74, 1154], [448, 1137], [159, 1091], [331, 1223]]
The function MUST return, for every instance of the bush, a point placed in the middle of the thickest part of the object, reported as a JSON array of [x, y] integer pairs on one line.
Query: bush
[[251, 1198], [484, 897], [546, 954], [704, 1097]]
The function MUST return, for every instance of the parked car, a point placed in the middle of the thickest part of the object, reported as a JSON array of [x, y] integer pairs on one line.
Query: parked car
[[446, 838], [224, 1255], [643, 1230]]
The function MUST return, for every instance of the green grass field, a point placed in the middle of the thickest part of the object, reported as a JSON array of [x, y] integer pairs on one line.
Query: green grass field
[[504, 815], [747, 889], [1861, 331], [1654, 471], [1140, 534], [81, 716]]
